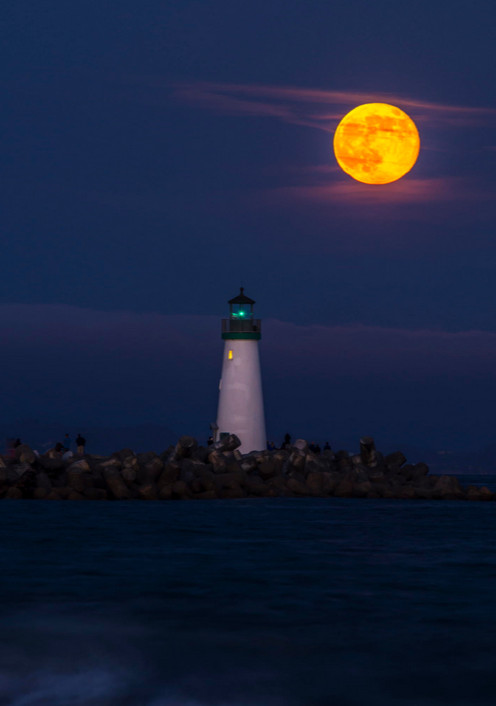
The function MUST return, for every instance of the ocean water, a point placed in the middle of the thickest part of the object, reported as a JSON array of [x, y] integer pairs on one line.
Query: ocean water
[[263, 602]]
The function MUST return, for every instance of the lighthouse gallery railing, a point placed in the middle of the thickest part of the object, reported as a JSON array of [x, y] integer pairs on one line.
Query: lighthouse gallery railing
[[241, 325]]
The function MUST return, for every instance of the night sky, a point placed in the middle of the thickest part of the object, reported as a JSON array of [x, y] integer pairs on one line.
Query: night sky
[[158, 155]]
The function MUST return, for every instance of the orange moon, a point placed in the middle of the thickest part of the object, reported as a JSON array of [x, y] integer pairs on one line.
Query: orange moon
[[376, 143]]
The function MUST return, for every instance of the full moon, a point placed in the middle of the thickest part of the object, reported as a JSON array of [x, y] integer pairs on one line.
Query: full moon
[[376, 143]]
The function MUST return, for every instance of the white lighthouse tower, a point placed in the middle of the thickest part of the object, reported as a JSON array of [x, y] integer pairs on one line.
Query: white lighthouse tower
[[241, 409]]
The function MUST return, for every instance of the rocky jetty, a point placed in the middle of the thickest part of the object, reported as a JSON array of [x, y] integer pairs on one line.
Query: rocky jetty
[[189, 471]]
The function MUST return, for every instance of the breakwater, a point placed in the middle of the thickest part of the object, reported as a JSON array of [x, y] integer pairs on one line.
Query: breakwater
[[189, 471]]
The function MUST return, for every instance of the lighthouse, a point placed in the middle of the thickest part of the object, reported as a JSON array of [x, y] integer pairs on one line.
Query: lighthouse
[[241, 409]]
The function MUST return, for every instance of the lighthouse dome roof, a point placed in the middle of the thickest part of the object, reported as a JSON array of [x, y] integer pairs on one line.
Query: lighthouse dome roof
[[241, 298]]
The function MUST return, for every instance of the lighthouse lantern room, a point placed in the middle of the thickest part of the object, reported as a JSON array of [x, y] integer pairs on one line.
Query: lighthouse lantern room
[[240, 409]]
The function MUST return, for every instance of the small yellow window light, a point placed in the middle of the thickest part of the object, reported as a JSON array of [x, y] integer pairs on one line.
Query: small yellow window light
[[230, 355]]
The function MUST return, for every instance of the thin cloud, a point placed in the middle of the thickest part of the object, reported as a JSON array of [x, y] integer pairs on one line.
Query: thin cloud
[[322, 110], [404, 191], [312, 107], [155, 338]]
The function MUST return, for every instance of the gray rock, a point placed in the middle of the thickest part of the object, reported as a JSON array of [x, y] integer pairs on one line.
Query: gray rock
[[300, 447], [297, 486], [148, 492], [218, 461], [14, 493], [51, 464], [180, 490], [185, 447], [169, 475], [367, 451], [95, 494], [115, 484], [228, 443], [24, 454], [267, 469], [395, 460], [81, 465], [43, 481], [129, 474]]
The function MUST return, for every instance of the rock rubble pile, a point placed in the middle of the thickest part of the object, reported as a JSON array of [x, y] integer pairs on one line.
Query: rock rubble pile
[[190, 471]]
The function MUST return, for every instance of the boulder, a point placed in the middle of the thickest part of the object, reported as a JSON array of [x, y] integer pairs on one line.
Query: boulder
[[254, 485], [148, 491], [296, 462], [81, 465], [185, 447], [343, 460], [95, 494], [53, 454], [24, 454], [40, 493], [124, 454], [115, 484], [423, 492], [267, 469], [249, 464], [418, 472], [368, 452], [448, 488], [64, 492], [206, 478], [297, 486], [19, 469], [300, 447], [129, 474], [362, 489], [78, 478], [218, 461], [201, 453], [376, 475], [51, 463], [169, 475], [110, 463], [232, 462], [479, 493], [395, 460], [329, 481], [206, 495], [279, 459], [229, 480], [43, 481], [27, 482], [14, 493], [233, 492], [180, 490], [149, 468], [315, 483], [277, 486], [228, 443], [165, 492], [405, 492], [344, 488], [315, 464]]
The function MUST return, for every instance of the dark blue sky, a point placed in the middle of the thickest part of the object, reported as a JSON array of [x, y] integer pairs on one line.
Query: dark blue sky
[[156, 156]]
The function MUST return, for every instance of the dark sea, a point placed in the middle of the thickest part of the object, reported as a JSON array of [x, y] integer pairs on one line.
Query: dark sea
[[260, 602]]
